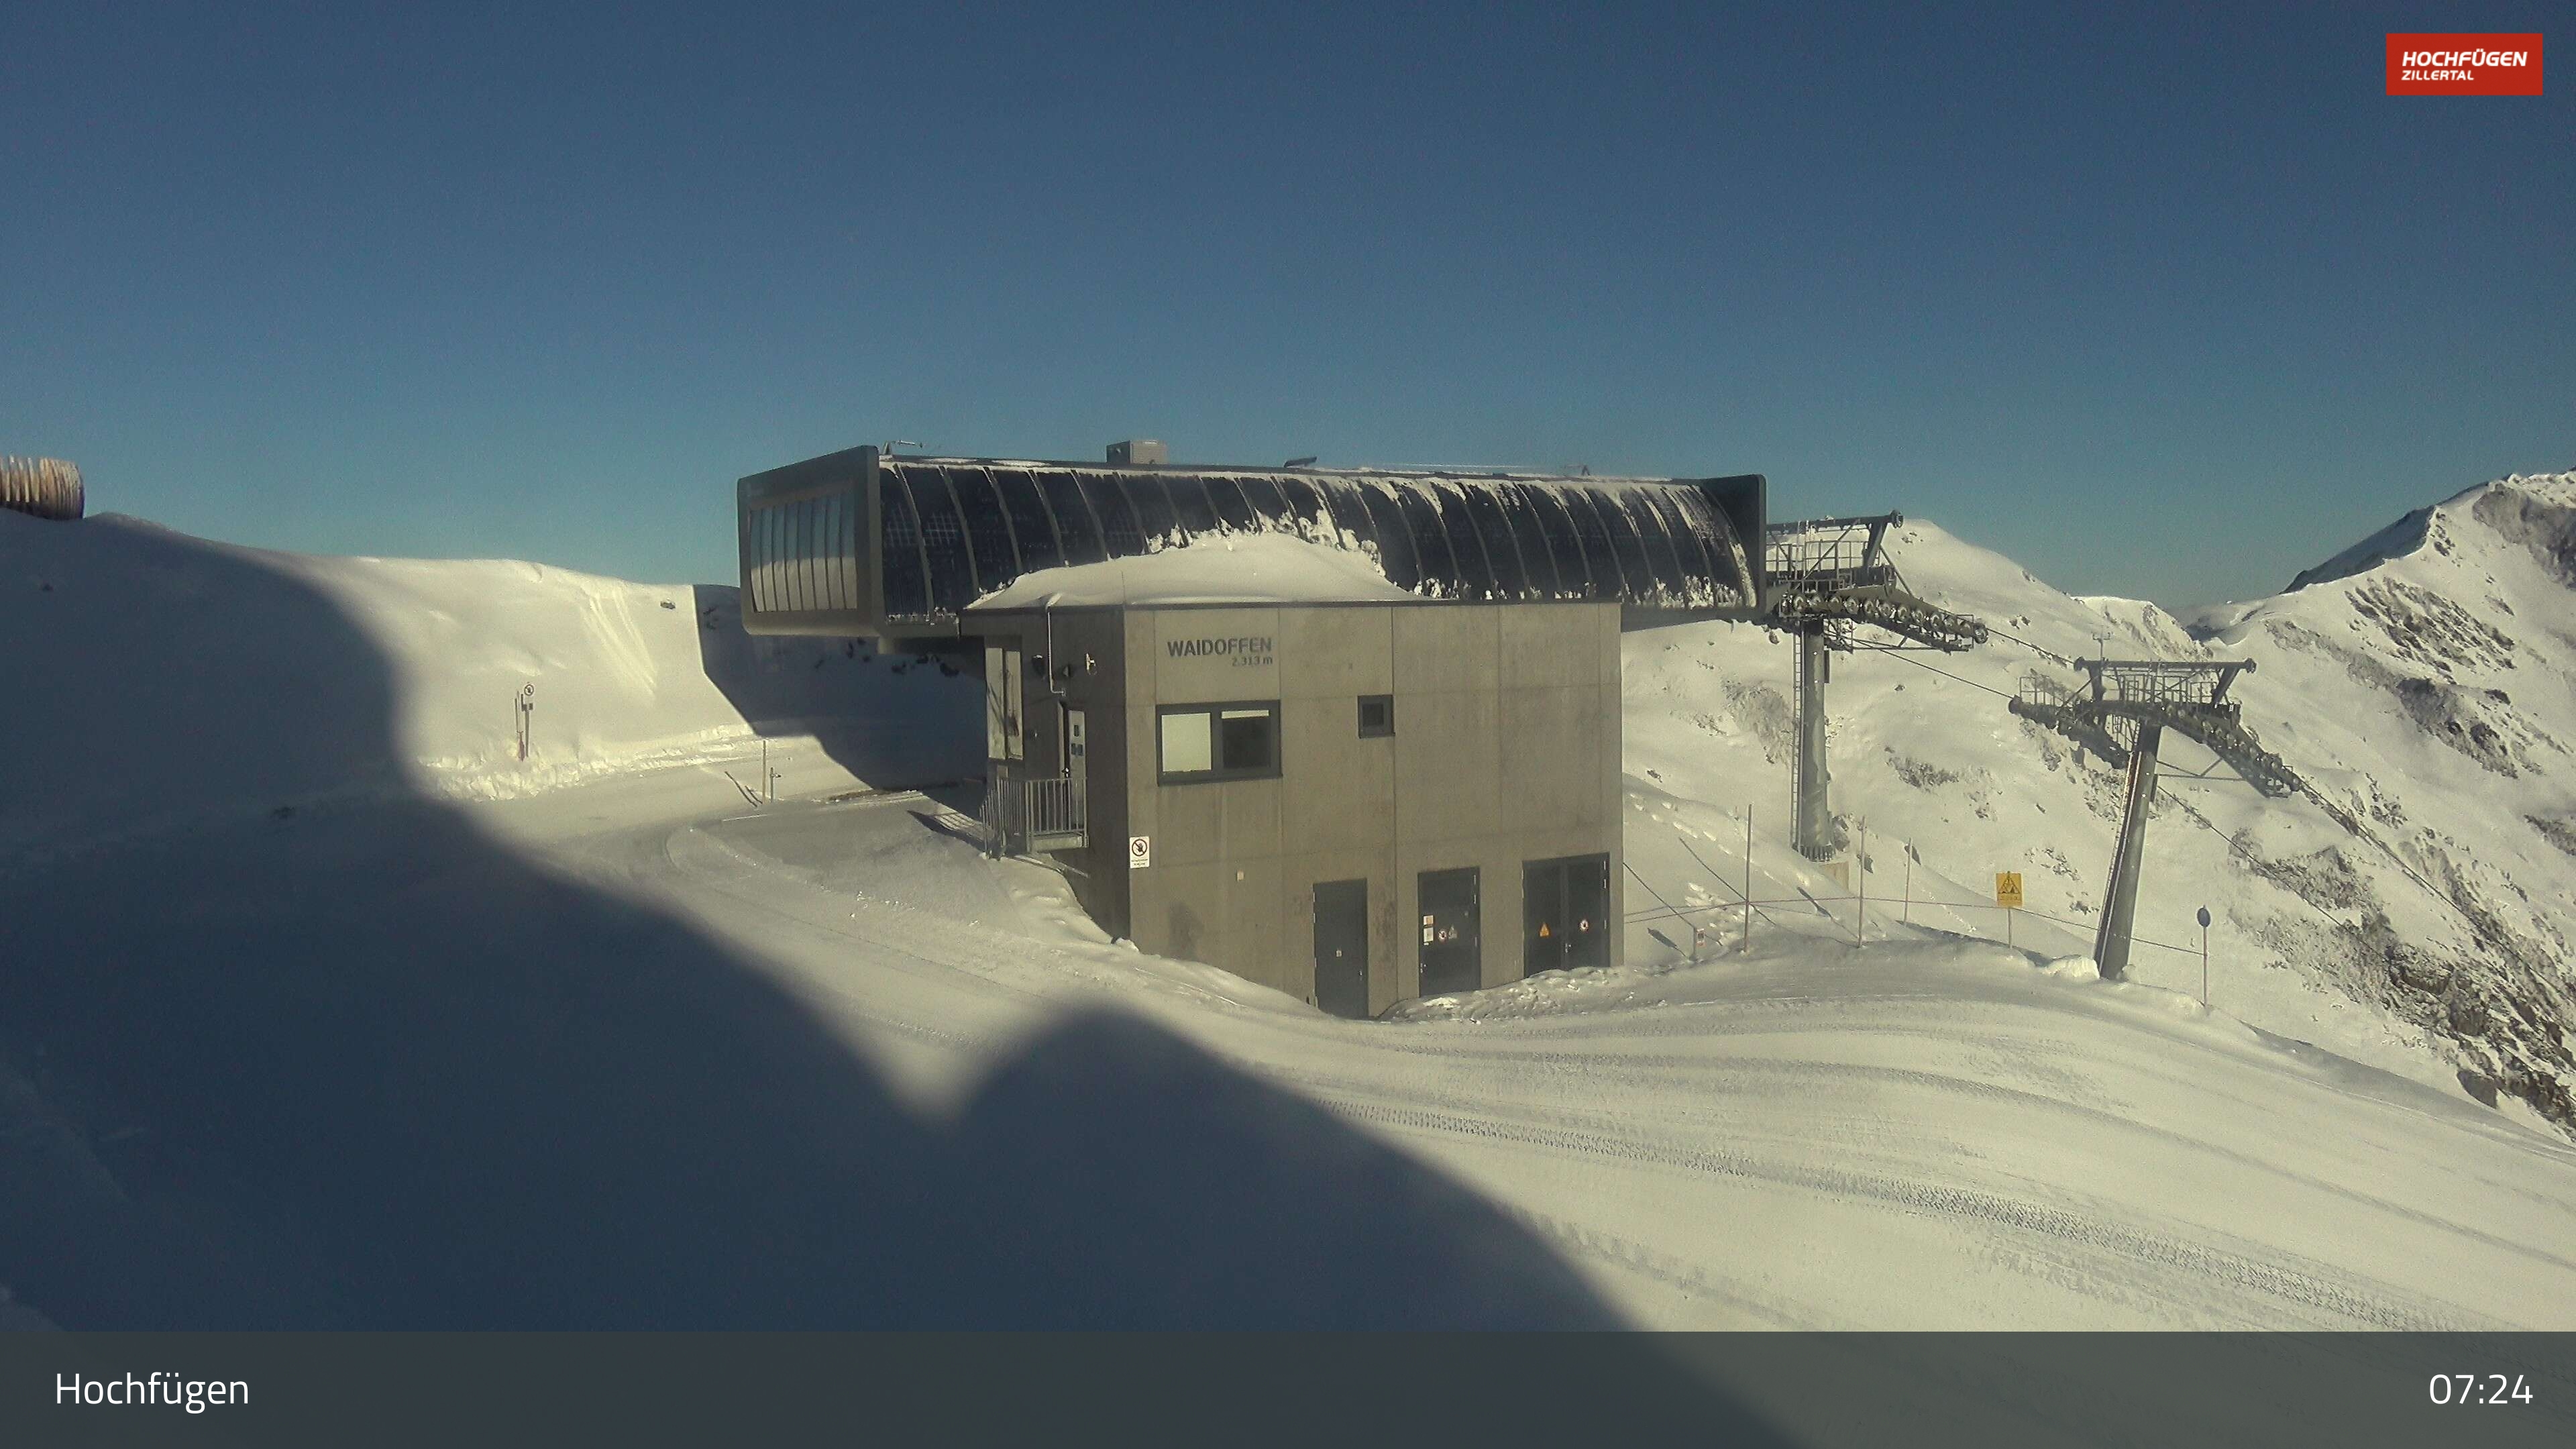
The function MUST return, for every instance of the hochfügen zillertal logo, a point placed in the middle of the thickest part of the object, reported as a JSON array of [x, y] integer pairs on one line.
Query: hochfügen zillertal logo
[[2463, 65]]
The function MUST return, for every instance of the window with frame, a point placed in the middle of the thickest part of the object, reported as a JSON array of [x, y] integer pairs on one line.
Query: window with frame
[[1003, 701], [1205, 742], [1377, 716]]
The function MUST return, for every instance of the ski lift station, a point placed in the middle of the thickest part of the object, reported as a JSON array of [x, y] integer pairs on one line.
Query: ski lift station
[[1353, 734]]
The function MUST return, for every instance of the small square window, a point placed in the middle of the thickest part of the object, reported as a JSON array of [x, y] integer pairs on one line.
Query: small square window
[[1377, 715]]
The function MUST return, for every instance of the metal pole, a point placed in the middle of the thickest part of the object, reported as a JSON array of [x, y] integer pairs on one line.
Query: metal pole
[[1860, 875], [2119, 909], [1748, 879], [1815, 814], [1908, 917]]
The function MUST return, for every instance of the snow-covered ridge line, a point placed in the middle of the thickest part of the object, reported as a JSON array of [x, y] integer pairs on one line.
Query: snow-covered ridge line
[[174, 680], [2415, 529]]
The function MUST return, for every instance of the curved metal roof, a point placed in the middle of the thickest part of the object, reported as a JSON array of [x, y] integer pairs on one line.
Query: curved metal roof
[[955, 530], [948, 531]]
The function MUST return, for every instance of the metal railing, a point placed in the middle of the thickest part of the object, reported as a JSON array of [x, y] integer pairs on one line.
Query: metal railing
[[1046, 813]]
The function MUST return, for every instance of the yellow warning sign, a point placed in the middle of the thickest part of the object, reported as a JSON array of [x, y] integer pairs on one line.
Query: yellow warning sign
[[2008, 888], [1542, 930]]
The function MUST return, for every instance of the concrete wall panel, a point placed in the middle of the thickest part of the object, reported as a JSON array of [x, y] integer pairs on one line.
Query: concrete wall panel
[[1252, 928], [1447, 765], [1550, 756], [1249, 818], [1214, 655], [1440, 649], [1548, 646], [1324, 653], [1320, 742], [1189, 823]]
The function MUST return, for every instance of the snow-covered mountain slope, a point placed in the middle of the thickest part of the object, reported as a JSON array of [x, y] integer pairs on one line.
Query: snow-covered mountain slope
[[2422, 683], [631, 1052], [160, 680]]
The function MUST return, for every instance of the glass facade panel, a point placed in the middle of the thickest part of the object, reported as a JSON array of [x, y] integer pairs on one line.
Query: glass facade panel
[[1502, 551], [1033, 530], [1430, 540], [1190, 506], [1153, 504], [1556, 527], [988, 531], [1466, 550], [1629, 549], [773, 529], [782, 569], [1381, 518], [844, 591], [1270, 507], [800, 531], [1302, 510], [854, 552], [1520, 509], [807, 529], [1226, 497], [1075, 526], [943, 541], [1690, 545], [1122, 534], [808, 542], [907, 588], [1348, 502], [821, 551], [1666, 565], [1593, 537]]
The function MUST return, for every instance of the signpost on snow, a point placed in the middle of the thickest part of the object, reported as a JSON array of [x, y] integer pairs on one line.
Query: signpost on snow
[[2204, 957]]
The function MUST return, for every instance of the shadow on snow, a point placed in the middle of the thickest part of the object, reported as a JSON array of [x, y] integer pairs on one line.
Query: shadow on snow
[[372, 1068]]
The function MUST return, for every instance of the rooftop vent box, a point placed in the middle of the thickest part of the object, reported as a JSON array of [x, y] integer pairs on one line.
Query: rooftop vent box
[[1137, 451]]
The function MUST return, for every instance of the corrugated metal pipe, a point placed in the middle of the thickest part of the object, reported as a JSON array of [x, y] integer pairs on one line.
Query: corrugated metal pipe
[[45, 487]]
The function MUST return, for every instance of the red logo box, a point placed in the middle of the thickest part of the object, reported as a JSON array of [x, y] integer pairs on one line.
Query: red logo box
[[2463, 65]]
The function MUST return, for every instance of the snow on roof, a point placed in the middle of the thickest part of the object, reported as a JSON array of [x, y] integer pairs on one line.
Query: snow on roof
[[1255, 568]]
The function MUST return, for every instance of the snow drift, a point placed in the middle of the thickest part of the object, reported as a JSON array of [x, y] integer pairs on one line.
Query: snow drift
[[160, 680]]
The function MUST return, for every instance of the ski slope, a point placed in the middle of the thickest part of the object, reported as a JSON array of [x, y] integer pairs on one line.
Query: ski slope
[[1910, 1134]]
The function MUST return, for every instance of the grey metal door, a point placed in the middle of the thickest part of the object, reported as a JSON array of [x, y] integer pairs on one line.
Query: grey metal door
[[1341, 948], [1077, 743], [1452, 951], [1565, 905]]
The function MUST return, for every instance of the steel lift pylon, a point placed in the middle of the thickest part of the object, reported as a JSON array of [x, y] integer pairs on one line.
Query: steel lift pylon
[[2150, 695], [1822, 576]]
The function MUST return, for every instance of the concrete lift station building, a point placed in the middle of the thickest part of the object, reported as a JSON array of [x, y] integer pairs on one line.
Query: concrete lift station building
[[1351, 734]]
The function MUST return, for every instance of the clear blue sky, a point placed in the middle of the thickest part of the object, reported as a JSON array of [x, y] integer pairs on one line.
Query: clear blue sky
[[2160, 304]]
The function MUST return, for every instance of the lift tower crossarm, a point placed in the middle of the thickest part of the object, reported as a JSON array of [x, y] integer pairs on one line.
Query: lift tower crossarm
[[1822, 576], [2189, 696], [1835, 571]]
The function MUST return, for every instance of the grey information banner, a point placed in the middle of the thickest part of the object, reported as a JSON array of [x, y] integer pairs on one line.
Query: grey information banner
[[1223, 1388]]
